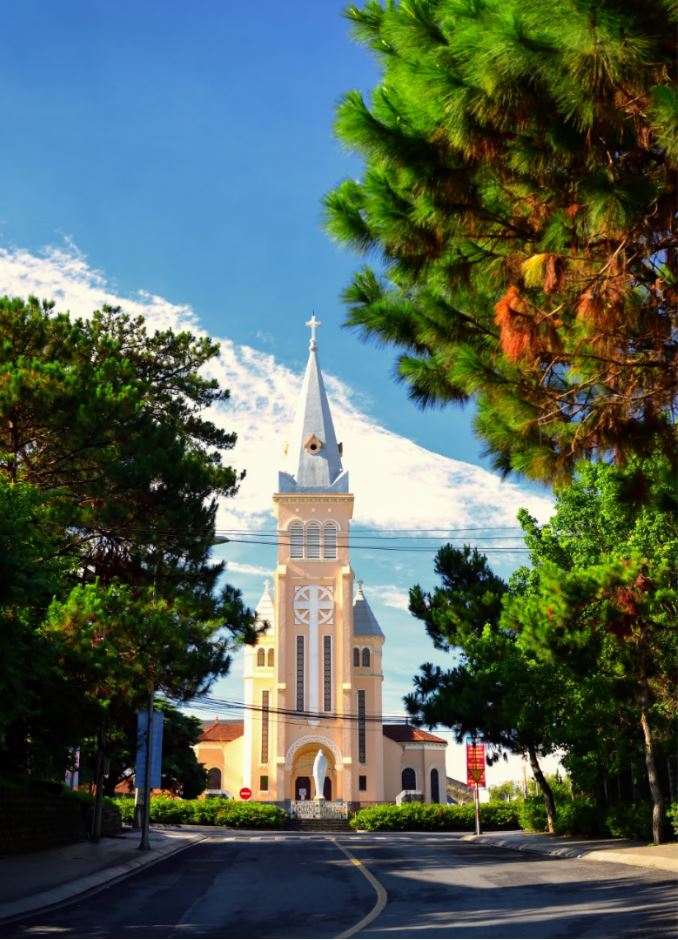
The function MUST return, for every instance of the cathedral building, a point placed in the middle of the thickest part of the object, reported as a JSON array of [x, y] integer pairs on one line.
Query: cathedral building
[[314, 680]]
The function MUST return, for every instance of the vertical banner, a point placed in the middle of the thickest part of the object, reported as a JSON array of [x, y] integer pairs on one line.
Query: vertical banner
[[475, 764], [156, 750]]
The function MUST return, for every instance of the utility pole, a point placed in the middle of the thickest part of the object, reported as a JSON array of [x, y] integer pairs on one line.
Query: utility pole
[[144, 845]]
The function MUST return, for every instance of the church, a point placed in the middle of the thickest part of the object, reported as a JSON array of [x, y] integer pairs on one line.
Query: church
[[314, 680]]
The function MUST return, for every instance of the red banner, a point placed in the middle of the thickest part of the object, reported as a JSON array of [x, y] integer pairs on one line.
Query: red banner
[[475, 765]]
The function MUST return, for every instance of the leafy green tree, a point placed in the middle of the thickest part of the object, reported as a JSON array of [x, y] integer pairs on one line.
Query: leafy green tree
[[601, 599], [108, 419], [520, 188], [105, 422], [182, 775], [498, 691]]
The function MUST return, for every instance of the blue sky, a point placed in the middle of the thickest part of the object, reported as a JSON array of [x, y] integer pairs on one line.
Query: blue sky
[[174, 157]]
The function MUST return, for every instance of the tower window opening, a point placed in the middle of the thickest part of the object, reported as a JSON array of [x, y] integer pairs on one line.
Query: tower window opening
[[330, 541], [300, 673], [264, 726], [261, 657], [270, 658], [313, 540], [362, 749], [327, 673], [366, 657], [356, 656], [296, 533]]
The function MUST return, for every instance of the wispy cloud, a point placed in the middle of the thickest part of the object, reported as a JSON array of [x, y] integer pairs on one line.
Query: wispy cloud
[[398, 483], [257, 571], [390, 595]]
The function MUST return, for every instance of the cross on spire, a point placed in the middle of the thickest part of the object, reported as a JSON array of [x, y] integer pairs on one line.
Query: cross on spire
[[314, 324]]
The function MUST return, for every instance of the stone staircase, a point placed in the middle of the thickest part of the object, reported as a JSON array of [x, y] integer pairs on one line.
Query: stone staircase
[[317, 825]]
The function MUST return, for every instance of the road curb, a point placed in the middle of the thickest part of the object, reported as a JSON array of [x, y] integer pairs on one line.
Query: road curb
[[84, 887], [616, 856]]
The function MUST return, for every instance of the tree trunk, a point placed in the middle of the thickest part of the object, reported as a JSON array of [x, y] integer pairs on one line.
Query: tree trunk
[[650, 756], [549, 802]]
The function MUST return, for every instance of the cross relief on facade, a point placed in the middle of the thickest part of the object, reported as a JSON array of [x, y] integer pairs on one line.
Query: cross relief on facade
[[313, 605]]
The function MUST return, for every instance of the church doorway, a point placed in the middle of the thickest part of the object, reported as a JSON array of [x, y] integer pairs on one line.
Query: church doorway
[[302, 774], [302, 788]]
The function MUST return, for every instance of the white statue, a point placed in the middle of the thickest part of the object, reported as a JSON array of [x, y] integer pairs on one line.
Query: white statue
[[319, 770]]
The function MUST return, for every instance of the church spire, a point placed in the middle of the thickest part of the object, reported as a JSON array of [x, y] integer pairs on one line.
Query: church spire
[[318, 455]]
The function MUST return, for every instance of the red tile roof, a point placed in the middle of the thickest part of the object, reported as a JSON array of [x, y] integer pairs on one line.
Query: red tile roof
[[218, 730], [404, 734]]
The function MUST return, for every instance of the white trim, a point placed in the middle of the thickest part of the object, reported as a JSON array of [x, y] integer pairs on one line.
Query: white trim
[[421, 745], [312, 739]]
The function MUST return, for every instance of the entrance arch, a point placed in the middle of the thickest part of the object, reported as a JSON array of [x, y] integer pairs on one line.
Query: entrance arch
[[301, 776]]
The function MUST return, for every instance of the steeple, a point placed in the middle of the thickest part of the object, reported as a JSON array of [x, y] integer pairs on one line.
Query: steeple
[[314, 443]]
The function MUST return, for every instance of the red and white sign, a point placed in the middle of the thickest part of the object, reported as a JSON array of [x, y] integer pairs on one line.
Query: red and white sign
[[245, 793], [475, 765]]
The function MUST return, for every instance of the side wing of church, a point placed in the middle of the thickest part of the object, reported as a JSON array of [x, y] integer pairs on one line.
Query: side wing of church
[[314, 680]]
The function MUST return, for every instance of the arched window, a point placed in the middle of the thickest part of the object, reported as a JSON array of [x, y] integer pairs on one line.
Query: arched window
[[313, 540], [408, 779], [261, 657], [330, 540], [356, 656], [366, 657], [296, 534], [270, 657], [214, 779], [435, 786]]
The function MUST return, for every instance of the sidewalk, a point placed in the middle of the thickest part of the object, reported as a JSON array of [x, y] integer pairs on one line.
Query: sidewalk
[[40, 879], [619, 851]]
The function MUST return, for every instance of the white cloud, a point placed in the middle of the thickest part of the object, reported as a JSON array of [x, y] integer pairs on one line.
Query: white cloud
[[243, 568], [398, 483], [390, 595]]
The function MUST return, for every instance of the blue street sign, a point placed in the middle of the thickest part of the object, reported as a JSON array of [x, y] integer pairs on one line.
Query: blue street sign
[[156, 750]]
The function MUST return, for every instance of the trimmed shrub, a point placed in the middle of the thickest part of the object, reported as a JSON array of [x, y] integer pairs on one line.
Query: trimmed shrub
[[238, 815], [630, 820], [672, 815], [432, 817], [532, 815], [577, 818], [125, 806]]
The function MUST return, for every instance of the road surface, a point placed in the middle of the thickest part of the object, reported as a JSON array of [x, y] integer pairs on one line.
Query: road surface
[[387, 886]]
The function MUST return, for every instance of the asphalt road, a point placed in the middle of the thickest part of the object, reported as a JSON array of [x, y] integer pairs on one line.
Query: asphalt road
[[296, 886]]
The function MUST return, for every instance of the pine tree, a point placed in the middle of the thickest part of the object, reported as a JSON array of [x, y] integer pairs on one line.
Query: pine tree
[[520, 189]]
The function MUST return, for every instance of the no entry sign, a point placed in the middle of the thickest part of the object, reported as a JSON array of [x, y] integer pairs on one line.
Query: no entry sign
[[245, 793]]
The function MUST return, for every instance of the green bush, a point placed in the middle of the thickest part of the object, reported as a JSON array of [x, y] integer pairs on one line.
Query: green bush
[[238, 815], [126, 806], [499, 814], [169, 809], [630, 820], [672, 815], [532, 815], [577, 817], [213, 811], [432, 817]]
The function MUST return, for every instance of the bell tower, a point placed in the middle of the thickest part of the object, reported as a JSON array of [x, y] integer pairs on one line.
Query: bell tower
[[318, 683]]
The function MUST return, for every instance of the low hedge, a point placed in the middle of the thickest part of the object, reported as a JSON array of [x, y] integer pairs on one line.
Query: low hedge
[[435, 817], [582, 817], [213, 811]]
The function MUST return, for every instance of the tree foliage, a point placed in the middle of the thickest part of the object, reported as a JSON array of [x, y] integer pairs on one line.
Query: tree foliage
[[110, 470], [519, 188]]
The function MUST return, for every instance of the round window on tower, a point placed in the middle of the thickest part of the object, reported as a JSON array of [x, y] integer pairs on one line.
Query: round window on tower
[[313, 445]]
